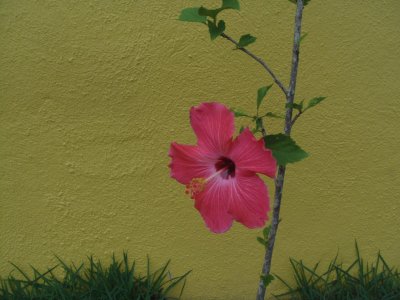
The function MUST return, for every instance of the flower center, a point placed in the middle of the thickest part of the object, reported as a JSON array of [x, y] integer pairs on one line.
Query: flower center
[[227, 166]]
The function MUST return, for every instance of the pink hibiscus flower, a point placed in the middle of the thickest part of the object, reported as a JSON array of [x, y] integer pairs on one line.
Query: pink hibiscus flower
[[220, 173]]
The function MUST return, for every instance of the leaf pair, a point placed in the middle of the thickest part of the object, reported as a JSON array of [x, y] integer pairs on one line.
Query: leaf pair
[[200, 14], [302, 108], [215, 30], [264, 240], [283, 147], [209, 17]]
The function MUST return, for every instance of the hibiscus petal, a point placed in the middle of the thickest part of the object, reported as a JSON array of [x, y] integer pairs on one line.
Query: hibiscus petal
[[249, 201], [251, 155], [214, 126], [190, 162], [213, 205], [244, 199]]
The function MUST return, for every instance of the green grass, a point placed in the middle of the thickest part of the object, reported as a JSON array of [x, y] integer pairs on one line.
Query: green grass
[[92, 280], [360, 281]]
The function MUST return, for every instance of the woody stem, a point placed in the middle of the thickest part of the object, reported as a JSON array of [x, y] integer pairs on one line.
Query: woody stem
[[279, 181]]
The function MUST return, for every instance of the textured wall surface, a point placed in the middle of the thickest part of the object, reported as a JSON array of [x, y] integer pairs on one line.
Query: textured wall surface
[[93, 92]]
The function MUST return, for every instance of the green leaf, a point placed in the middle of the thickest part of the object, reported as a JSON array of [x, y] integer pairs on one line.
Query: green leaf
[[191, 14], [314, 101], [246, 40], [273, 115], [267, 279], [241, 129], [214, 30], [266, 231], [284, 149], [239, 113], [212, 13], [233, 4], [261, 240], [262, 92]]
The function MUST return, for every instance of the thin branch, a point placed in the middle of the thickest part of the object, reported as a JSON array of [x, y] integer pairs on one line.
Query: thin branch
[[263, 130], [296, 117], [260, 61], [279, 180]]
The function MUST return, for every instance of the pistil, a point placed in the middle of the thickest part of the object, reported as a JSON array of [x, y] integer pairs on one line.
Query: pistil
[[197, 185]]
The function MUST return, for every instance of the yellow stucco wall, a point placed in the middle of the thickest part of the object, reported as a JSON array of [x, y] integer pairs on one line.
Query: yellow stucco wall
[[93, 92]]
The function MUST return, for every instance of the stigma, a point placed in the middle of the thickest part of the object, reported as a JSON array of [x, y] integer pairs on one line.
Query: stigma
[[195, 186]]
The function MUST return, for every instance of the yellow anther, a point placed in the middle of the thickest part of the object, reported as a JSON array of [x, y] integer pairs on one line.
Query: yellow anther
[[195, 186]]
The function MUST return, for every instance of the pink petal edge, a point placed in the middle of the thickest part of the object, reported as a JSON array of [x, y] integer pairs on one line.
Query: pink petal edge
[[244, 199], [213, 124], [213, 208], [251, 155], [188, 162], [250, 201]]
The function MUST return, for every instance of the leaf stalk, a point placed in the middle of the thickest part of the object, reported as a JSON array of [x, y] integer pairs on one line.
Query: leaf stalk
[[260, 61]]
